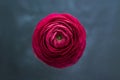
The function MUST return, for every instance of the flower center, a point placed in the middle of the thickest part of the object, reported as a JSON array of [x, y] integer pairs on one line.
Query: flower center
[[59, 37]]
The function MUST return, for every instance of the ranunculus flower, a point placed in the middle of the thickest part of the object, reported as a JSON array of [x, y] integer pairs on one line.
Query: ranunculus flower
[[59, 40]]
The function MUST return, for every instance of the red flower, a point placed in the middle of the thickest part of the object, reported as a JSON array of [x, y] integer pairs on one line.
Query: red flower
[[59, 40]]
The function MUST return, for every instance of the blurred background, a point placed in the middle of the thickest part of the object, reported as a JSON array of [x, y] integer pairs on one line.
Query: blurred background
[[101, 58]]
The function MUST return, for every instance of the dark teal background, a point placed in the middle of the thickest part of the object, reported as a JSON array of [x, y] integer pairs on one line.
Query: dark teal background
[[101, 59]]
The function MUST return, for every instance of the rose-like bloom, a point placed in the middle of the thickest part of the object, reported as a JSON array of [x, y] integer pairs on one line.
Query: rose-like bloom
[[59, 40]]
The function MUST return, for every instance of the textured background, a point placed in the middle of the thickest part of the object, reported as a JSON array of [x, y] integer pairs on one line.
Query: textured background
[[101, 59]]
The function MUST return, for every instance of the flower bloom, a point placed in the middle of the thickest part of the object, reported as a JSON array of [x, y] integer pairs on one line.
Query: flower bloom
[[59, 40]]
